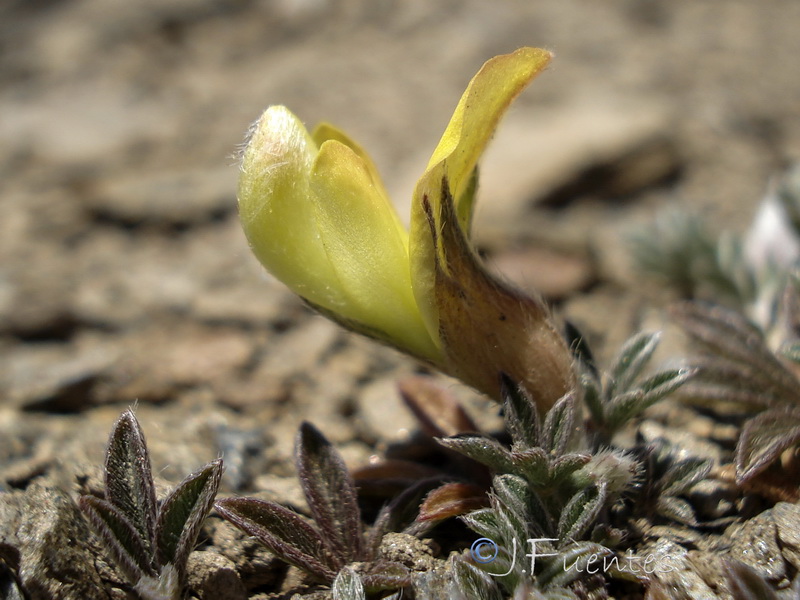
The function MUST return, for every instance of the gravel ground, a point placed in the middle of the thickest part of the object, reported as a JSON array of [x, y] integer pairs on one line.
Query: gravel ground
[[125, 278]]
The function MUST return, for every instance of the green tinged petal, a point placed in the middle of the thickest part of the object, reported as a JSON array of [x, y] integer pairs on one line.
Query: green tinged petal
[[367, 248], [319, 220], [274, 206], [325, 131]]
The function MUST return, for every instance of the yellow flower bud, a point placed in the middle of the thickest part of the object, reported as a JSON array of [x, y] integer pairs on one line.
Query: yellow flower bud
[[319, 220]]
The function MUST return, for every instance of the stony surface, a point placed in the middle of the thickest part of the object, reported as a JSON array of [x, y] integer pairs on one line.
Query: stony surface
[[45, 528], [125, 278]]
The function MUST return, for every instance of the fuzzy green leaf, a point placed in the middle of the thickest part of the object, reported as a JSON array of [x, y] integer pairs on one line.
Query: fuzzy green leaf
[[566, 465], [283, 532], [129, 481], [522, 416], [494, 525], [633, 357], [348, 586], [528, 590], [121, 538], [330, 493], [182, 514], [484, 522], [512, 498], [560, 426], [764, 438], [532, 464], [581, 511], [593, 398], [655, 388], [471, 582], [483, 449]]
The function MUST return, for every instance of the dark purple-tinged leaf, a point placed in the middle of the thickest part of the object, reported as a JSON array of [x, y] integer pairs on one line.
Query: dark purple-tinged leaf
[[522, 416], [729, 334], [439, 413], [182, 514], [655, 388], [542, 522], [348, 586], [385, 575], [9, 568], [581, 511], [738, 375], [683, 475], [452, 500], [533, 464], [129, 482], [483, 449], [746, 583], [677, 509], [389, 478], [120, 537], [284, 533], [401, 514], [560, 426], [763, 439], [633, 357], [713, 393], [10, 557], [330, 493]]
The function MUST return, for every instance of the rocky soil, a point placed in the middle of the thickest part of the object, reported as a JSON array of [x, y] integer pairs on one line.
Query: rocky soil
[[125, 278]]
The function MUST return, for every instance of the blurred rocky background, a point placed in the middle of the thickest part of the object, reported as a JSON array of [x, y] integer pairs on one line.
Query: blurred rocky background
[[125, 278]]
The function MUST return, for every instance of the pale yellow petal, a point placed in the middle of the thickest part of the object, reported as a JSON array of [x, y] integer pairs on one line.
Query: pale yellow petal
[[275, 207], [481, 107], [325, 131], [367, 249]]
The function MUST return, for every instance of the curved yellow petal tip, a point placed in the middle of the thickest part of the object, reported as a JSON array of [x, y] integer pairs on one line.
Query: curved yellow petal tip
[[488, 95]]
